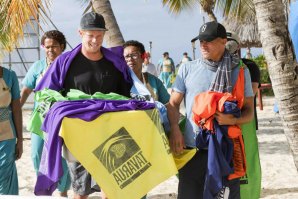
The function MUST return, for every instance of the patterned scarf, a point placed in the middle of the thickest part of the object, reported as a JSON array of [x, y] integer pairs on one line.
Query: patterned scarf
[[222, 81]]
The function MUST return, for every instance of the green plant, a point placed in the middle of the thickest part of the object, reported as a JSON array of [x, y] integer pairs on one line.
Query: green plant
[[261, 62], [264, 74]]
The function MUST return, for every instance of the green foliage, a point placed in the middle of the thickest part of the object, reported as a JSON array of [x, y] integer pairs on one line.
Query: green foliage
[[261, 62], [264, 74]]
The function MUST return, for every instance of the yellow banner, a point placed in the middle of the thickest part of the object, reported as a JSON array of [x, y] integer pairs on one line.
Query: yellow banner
[[126, 152]]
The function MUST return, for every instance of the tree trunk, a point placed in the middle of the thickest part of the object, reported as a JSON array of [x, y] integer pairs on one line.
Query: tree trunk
[[113, 36], [211, 16], [208, 6], [282, 66]]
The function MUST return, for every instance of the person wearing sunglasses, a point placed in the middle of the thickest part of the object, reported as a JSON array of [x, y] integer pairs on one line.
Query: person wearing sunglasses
[[134, 54]]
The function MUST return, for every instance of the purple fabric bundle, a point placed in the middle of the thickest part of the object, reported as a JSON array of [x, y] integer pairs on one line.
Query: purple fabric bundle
[[51, 166]]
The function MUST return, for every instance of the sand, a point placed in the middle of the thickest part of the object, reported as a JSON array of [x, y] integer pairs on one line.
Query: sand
[[279, 174]]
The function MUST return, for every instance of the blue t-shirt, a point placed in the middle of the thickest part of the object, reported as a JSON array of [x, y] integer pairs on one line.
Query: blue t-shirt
[[158, 88], [12, 83], [192, 79], [34, 73]]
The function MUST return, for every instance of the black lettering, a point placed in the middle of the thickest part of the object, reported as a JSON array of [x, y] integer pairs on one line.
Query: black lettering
[[131, 165], [117, 178], [140, 159], [126, 170]]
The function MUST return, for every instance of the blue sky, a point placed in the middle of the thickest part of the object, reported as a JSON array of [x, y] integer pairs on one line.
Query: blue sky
[[139, 20], [142, 20]]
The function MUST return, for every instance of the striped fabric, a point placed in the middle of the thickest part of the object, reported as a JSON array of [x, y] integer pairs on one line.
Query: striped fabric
[[222, 81]]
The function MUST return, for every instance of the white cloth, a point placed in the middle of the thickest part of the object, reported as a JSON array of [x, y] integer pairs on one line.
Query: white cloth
[[138, 87], [149, 68]]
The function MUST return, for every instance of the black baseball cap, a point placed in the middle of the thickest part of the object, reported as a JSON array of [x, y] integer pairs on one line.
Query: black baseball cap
[[93, 21], [210, 31]]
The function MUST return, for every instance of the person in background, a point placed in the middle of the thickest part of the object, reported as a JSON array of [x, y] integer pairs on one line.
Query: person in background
[[248, 54], [251, 183], [90, 68], [11, 131], [54, 43], [166, 67], [134, 54], [185, 58], [148, 66], [198, 77]]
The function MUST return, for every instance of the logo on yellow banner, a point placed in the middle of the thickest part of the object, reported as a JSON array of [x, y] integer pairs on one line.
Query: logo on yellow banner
[[122, 157]]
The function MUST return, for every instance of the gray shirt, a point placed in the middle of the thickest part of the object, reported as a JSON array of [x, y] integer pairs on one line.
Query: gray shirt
[[192, 79]]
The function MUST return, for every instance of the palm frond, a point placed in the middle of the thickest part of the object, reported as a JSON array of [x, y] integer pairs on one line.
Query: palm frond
[[236, 8], [176, 6], [246, 28], [14, 15]]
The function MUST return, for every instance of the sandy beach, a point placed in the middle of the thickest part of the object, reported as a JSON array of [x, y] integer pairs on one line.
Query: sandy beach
[[279, 174]]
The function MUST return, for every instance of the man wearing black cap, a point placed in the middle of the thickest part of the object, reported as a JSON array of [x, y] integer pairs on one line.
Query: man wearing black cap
[[90, 68], [216, 71]]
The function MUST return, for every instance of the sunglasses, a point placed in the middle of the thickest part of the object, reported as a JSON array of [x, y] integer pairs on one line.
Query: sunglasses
[[132, 56]]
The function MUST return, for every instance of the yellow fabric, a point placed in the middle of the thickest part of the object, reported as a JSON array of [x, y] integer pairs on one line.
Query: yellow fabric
[[127, 152], [182, 159]]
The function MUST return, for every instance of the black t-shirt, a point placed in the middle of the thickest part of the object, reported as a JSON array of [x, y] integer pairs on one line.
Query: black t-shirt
[[255, 78], [253, 70], [95, 76]]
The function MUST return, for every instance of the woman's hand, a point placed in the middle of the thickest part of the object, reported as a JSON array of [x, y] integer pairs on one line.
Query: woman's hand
[[19, 148]]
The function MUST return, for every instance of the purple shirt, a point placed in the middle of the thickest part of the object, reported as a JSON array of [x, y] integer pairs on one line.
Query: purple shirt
[[55, 75]]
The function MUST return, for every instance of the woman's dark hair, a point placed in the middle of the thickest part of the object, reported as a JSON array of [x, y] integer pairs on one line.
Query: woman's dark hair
[[55, 35], [135, 43]]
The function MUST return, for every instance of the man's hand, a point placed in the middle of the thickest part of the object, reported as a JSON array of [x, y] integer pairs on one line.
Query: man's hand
[[176, 138], [225, 119], [176, 142]]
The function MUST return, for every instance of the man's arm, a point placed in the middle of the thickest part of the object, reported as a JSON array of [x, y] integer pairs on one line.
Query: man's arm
[[255, 86], [247, 113], [176, 137]]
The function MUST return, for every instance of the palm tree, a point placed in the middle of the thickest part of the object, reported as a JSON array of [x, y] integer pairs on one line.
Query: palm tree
[[282, 65], [176, 6], [13, 17], [113, 36], [15, 14]]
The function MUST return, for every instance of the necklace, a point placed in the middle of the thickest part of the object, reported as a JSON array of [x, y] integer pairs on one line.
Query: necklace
[[149, 87], [48, 65], [4, 88]]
